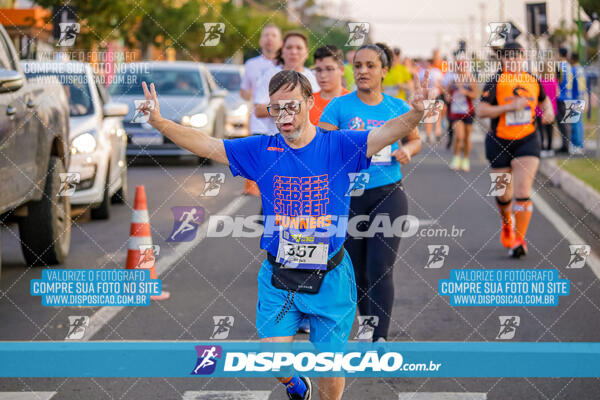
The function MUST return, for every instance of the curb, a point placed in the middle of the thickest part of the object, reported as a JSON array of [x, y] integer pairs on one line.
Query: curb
[[574, 187]]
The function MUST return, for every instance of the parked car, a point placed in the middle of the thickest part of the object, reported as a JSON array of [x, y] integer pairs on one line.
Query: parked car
[[34, 132], [97, 140], [229, 77], [187, 95]]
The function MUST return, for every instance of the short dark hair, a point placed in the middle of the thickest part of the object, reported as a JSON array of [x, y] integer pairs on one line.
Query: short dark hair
[[289, 79], [329, 50], [562, 51], [575, 57], [278, 57]]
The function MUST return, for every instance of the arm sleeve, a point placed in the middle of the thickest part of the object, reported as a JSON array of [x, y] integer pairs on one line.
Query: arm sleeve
[[353, 149], [489, 92], [331, 113], [243, 156]]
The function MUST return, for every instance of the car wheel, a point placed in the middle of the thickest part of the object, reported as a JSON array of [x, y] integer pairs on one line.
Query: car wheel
[[46, 231], [103, 210], [120, 196]]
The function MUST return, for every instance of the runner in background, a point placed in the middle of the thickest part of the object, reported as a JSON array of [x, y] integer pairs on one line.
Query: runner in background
[[329, 70], [565, 85], [398, 79], [348, 73], [254, 68], [509, 98], [547, 78], [579, 91], [291, 56], [366, 108], [461, 91], [435, 86]]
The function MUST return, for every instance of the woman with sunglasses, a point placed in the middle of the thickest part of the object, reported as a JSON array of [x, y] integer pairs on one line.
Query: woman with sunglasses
[[367, 108]]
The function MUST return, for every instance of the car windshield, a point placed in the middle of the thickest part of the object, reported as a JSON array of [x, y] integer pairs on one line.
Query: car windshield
[[77, 89], [228, 80], [168, 82]]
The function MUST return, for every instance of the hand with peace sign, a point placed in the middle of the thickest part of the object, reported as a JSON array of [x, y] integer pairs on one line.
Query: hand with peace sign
[[421, 93], [150, 106], [186, 137]]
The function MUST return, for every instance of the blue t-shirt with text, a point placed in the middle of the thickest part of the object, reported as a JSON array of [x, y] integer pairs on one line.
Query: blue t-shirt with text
[[349, 112], [303, 187]]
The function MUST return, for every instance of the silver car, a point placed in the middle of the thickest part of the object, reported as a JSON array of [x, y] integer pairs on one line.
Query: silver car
[[187, 94], [229, 77], [97, 139]]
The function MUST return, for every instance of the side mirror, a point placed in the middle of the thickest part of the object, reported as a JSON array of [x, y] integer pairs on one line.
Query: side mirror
[[10, 80], [220, 93], [115, 109]]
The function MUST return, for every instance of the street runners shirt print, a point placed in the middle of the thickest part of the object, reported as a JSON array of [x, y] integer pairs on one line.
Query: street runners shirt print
[[301, 214], [302, 190]]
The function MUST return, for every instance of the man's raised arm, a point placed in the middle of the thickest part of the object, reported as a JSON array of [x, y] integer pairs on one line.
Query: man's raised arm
[[397, 128], [188, 138]]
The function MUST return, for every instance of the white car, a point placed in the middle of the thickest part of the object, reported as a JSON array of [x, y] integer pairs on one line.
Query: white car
[[187, 95], [229, 77], [97, 139]]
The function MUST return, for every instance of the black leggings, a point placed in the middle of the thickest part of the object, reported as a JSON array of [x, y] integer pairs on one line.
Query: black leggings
[[545, 131], [373, 258]]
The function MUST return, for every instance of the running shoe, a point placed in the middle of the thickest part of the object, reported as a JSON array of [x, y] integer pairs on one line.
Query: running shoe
[[519, 249], [307, 394], [455, 164], [466, 165], [507, 235]]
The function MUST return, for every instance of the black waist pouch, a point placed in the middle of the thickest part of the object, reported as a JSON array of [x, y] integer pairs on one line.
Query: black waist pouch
[[301, 280]]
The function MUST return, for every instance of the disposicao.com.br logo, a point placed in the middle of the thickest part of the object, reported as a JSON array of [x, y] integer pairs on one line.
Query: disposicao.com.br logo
[[324, 362]]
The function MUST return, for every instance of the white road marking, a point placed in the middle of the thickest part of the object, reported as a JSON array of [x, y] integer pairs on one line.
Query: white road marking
[[227, 395], [565, 230], [105, 314], [26, 395], [441, 396]]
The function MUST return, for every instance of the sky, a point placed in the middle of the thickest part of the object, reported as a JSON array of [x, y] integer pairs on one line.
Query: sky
[[419, 26]]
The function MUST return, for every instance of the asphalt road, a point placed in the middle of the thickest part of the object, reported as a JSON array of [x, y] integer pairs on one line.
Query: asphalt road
[[217, 276]]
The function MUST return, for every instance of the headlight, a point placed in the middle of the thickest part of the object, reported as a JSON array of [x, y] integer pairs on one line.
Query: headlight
[[84, 143], [241, 111], [195, 121]]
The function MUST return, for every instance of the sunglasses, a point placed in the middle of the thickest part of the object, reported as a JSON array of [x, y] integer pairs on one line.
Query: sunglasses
[[292, 107]]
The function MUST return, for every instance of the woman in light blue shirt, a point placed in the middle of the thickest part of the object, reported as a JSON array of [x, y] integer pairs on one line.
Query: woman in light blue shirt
[[364, 109]]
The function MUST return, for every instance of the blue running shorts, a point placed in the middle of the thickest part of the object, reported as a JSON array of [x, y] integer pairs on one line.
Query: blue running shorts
[[330, 312]]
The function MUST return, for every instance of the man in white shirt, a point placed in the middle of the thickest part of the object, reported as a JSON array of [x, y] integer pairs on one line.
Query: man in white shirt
[[254, 68], [292, 56]]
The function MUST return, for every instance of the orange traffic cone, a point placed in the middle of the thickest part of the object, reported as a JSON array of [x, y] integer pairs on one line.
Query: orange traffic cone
[[251, 188], [139, 235]]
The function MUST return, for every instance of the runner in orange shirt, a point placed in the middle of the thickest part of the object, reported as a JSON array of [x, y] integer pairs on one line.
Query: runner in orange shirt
[[512, 146], [329, 70]]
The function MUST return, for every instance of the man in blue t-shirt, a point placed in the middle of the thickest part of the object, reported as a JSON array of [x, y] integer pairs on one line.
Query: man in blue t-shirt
[[303, 175]]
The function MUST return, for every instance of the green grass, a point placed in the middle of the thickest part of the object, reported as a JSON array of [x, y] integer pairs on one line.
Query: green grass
[[586, 169], [591, 125]]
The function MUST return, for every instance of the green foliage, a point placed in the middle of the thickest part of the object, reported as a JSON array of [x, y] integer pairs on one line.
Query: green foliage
[[180, 24], [590, 6]]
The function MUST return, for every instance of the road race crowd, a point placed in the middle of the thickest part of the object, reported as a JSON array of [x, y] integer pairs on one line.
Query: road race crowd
[[314, 130]]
